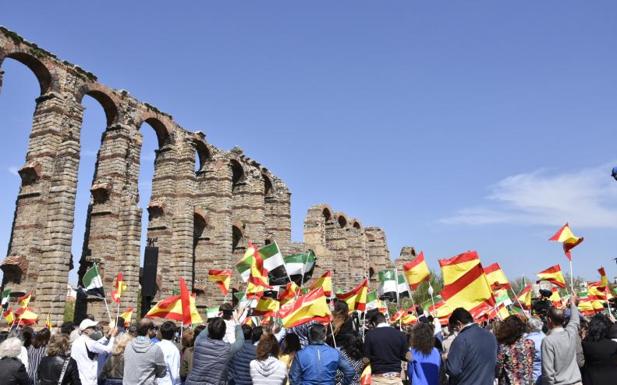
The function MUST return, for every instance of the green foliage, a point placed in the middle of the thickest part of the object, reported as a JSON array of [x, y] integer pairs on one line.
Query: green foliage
[[69, 311], [421, 295]]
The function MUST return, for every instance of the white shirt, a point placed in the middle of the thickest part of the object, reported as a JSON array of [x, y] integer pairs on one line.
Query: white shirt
[[172, 361], [88, 369], [230, 331], [23, 357]]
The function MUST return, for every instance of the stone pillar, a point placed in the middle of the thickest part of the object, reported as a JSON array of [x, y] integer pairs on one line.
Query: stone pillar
[[358, 266], [336, 241], [378, 253], [278, 213], [315, 237]]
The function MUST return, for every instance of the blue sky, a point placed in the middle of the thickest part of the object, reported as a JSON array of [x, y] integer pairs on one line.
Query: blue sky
[[453, 125]]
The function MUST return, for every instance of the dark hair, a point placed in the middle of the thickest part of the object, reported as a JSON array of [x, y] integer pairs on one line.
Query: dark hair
[[198, 329], [257, 333], [377, 318], [227, 310], [120, 322], [598, 328], [317, 333], [247, 331], [133, 330], [510, 330], [187, 338], [217, 328], [26, 334], [144, 327], [460, 315], [291, 343], [267, 346], [90, 317], [341, 309], [67, 328], [168, 329], [41, 338], [352, 346], [556, 316], [422, 338]]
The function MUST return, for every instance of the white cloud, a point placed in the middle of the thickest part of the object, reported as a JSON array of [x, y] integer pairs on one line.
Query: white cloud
[[14, 170], [585, 198]]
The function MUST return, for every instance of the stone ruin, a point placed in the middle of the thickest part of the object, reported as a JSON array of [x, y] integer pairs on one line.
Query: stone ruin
[[199, 220]]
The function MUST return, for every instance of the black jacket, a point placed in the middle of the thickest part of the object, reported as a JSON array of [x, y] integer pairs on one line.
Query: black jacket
[[50, 368], [600, 362], [13, 372]]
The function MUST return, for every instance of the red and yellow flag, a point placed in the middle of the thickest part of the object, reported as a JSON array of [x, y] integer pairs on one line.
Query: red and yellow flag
[[119, 287], [496, 277], [524, 297], [310, 307], [288, 293], [397, 316], [553, 275], [24, 300], [48, 322], [259, 274], [356, 298], [465, 284], [567, 238], [266, 306], [26, 316], [222, 278], [324, 282], [9, 316], [127, 315], [409, 318], [416, 271], [603, 277], [555, 298], [171, 308], [366, 377]]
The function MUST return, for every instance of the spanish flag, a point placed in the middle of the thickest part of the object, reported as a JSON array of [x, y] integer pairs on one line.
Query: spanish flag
[[553, 275], [222, 278], [48, 322], [496, 277], [408, 318], [324, 282], [416, 271], [24, 300], [465, 284], [567, 238], [397, 316], [9, 316], [119, 287], [555, 298], [26, 316], [171, 308], [366, 377], [266, 306], [127, 315], [356, 298], [289, 293], [310, 307], [603, 277], [524, 297]]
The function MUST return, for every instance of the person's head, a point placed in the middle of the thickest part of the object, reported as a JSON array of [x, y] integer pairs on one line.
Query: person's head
[[459, 318], [90, 328], [120, 343], [422, 338], [168, 330], [41, 338], [27, 333], [267, 346], [145, 327], [258, 331], [121, 323], [341, 310], [352, 346], [198, 329], [58, 345], [376, 319], [598, 328], [555, 318], [67, 328], [291, 343], [317, 334], [534, 325], [187, 338], [217, 328], [247, 332], [11, 347], [510, 330], [132, 330], [227, 310]]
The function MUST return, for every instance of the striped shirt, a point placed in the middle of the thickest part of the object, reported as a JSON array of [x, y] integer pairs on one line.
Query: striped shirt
[[35, 355]]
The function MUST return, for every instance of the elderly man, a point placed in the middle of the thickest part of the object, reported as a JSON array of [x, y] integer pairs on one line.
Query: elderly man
[[87, 347], [534, 326]]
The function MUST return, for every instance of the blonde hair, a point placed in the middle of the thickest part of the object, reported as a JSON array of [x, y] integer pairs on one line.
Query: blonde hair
[[11, 347], [121, 343], [58, 345]]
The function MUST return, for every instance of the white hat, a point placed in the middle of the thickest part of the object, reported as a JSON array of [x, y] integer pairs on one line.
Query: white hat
[[87, 323]]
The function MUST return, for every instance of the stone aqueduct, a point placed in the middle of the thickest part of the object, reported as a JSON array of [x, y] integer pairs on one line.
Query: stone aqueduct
[[200, 219]]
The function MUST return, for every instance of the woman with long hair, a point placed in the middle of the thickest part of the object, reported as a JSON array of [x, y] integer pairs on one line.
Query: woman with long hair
[[113, 371], [351, 350], [58, 363], [600, 353], [291, 345], [342, 323], [425, 366], [36, 351], [266, 368], [515, 353]]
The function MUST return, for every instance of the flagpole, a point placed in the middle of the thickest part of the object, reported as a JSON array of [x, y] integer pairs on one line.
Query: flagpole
[[333, 337], [398, 300], [571, 275], [107, 307], [518, 301]]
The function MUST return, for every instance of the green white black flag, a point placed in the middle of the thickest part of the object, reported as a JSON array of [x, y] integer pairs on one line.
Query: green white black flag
[[93, 284], [6, 296]]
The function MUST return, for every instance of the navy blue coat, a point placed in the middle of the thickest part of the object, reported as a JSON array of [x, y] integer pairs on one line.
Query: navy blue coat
[[472, 357], [240, 365]]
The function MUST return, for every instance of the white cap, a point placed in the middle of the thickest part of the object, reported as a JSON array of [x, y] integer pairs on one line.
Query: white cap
[[87, 323]]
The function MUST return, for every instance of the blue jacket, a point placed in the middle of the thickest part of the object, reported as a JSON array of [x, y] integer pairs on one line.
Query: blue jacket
[[472, 357], [240, 365], [316, 364]]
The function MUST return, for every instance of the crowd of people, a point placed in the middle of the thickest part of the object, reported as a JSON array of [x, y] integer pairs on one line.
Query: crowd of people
[[560, 348]]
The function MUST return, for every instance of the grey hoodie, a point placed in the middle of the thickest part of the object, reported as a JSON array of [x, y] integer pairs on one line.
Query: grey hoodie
[[270, 371], [143, 362]]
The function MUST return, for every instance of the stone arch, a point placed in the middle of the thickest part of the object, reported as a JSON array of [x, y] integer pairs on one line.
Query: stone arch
[[39, 69], [341, 219], [238, 175], [268, 187], [160, 125], [356, 224], [203, 153], [237, 238], [327, 213], [101, 95]]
